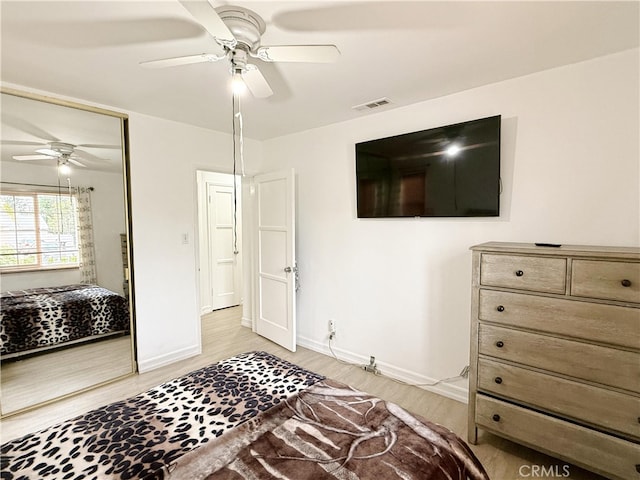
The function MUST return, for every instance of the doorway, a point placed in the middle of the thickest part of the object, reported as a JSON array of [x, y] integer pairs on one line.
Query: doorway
[[266, 284], [219, 240]]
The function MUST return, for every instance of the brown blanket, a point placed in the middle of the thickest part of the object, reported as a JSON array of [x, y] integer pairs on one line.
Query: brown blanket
[[331, 431]]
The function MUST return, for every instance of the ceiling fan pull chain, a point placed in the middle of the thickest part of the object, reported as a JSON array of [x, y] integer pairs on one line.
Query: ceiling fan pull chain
[[238, 154], [241, 139]]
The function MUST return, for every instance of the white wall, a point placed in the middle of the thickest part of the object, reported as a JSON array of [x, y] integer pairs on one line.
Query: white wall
[[109, 222], [164, 158], [400, 289]]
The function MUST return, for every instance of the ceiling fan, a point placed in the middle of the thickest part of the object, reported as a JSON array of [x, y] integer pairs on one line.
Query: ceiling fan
[[64, 152], [238, 31]]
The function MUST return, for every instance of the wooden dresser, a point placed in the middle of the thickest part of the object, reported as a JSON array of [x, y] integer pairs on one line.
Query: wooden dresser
[[555, 352]]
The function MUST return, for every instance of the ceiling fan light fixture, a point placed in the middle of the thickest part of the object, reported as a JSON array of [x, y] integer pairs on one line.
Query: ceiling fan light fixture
[[453, 150], [238, 86], [64, 168]]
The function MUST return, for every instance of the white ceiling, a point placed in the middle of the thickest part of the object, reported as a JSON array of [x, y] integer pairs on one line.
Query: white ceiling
[[28, 125], [405, 51]]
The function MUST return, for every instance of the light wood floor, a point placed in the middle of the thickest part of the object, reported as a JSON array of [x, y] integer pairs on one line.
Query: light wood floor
[[224, 337], [26, 382]]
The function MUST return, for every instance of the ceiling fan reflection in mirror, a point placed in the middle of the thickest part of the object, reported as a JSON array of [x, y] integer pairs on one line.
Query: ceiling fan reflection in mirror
[[65, 153], [238, 31]]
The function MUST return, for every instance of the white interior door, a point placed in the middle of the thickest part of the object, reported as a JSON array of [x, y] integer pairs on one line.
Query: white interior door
[[274, 195], [223, 247], [220, 269]]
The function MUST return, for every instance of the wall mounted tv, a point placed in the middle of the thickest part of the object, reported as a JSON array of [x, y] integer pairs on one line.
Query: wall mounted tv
[[450, 171]]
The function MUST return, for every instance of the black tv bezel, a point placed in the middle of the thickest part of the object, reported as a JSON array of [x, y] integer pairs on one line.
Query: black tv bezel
[[494, 214]]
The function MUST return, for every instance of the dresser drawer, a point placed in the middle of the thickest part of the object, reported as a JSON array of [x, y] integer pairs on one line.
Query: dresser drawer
[[610, 324], [538, 274], [608, 455], [597, 406], [608, 280], [595, 363]]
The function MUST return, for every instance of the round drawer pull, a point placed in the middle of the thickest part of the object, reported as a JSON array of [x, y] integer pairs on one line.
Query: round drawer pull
[[496, 417], [500, 308], [498, 380], [519, 273], [499, 344], [626, 283]]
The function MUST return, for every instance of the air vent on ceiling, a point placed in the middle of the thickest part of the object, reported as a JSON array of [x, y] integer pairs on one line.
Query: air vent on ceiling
[[381, 102]]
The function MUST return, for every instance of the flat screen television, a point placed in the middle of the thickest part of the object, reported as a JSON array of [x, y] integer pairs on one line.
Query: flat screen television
[[450, 171]]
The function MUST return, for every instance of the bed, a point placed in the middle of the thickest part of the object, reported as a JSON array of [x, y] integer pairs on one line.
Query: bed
[[39, 319], [253, 416]]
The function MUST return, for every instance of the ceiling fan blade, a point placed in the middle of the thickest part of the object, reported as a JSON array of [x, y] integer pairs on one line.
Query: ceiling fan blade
[[83, 155], [20, 142], [177, 61], [298, 53], [27, 127], [256, 82], [205, 14], [31, 157], [48, 152], [93, 145], [75, 162]]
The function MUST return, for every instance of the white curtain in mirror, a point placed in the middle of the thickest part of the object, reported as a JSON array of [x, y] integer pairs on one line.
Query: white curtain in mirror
[[88, 271]]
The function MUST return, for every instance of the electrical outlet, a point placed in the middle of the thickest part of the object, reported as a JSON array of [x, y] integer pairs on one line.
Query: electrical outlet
[[372, 367], [332, 327]]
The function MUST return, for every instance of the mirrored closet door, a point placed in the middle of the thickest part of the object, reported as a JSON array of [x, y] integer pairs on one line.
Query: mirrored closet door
[[67, 316]]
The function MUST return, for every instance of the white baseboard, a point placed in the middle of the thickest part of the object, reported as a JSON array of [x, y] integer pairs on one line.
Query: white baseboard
[[168, 358], [246, 322], [449, 390]]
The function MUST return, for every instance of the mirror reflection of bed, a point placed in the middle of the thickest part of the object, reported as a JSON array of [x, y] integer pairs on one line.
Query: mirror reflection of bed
[[64, 254]]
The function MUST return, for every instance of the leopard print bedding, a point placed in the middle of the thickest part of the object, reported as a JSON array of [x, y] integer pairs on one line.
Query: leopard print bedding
[[139, 437], [46, 317]]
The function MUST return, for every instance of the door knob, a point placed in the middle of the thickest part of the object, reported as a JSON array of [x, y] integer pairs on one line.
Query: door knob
[[287, 269]]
